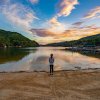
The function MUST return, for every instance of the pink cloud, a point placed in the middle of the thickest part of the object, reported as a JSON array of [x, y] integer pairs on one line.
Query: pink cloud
[[94, 13], [33, 1], [42, 32]]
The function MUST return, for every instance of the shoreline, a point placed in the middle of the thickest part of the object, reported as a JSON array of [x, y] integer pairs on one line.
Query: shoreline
[[77, 70]]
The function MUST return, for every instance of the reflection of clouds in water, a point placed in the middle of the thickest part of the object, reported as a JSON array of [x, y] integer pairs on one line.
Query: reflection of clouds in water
[[42, 59], [40, 63], [76, 59], [60, 64], [64, 60]]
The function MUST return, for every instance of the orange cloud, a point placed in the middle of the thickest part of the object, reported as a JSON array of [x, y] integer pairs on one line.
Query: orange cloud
[[55, 26], [54, 21], [71, 34], [66, 6]]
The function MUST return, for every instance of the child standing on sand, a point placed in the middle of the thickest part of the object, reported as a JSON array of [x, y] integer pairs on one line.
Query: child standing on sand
[[51, 62]]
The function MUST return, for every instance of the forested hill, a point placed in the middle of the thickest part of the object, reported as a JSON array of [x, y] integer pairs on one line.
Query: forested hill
[[90, 40], [14, 39]]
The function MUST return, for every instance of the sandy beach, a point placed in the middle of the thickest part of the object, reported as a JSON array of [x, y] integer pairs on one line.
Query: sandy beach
[[63, 85]]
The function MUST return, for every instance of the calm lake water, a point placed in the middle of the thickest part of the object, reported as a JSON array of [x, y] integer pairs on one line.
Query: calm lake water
[[36, 59]]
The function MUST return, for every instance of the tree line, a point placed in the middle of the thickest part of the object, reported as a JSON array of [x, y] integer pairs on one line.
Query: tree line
[[14, 39]]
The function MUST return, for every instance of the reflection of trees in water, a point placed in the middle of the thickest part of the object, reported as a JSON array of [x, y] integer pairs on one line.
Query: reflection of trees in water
[[13, 54], [88, 53], [91, 54]]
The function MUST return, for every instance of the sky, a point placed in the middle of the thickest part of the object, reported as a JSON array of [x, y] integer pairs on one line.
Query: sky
[[49, 21]]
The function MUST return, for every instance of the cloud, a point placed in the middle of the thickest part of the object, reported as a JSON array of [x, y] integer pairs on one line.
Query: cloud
[[4, 1], [33, 1], [54, 21], [77, 24], [74, 34], [94, 13], [54, 30], [46, 36], [66, 7], [55, 26], [42, 32], [18, 14]]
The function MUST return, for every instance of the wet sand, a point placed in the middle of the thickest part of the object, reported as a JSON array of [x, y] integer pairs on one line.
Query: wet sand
[[63, 85]]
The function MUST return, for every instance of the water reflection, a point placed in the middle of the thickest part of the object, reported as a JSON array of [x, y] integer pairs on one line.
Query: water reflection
[[29, 59], [12, 54], [91, 54]]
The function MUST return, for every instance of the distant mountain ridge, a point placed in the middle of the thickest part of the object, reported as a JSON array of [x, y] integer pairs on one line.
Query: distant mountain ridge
[[89, 40], [14, 39]]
